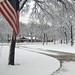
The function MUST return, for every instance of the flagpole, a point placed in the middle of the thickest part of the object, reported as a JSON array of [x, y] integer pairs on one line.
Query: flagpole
[[12, 50]]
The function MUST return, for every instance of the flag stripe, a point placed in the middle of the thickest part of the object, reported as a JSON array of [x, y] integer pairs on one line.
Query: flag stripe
[[7, 17], [17, 18], [9, 12], [13, 12], [10, 7]]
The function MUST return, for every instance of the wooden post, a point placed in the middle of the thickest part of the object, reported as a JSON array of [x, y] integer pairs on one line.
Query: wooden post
[[12, 51]]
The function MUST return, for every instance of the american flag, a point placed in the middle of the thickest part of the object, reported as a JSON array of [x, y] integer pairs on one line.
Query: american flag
[[10, 10]]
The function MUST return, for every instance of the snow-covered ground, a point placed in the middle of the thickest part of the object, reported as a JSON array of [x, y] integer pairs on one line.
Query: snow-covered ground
[[31, 63], [51, 46]]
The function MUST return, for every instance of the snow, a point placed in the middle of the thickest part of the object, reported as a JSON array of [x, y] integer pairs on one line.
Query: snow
[[28, 60], [56, 47], [68, 68], [27, 63]]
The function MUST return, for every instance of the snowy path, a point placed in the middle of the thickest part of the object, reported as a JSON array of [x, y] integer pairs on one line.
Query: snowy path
[[61, 56], [36, 59], [30, 63]]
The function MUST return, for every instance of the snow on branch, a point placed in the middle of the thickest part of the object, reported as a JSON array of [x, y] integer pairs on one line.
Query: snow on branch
[[44, 9], [23, 2]]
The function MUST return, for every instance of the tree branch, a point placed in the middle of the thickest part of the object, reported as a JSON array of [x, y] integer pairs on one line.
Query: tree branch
[[24, 2], [44, 9]]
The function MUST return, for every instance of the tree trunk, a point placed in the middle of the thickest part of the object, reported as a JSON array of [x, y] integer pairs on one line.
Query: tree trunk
[[44, 39], [66, 37], [54, 39], [12, 51], [71, 36], [71, 33], [31, 37]]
